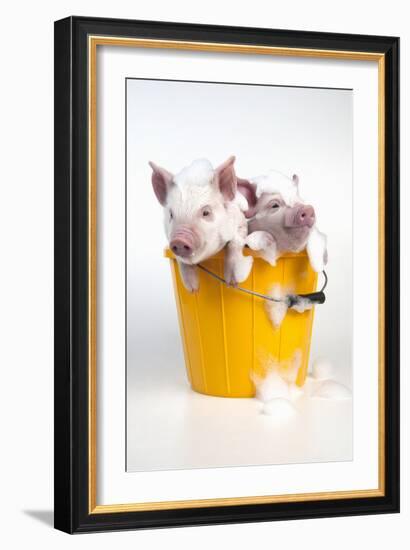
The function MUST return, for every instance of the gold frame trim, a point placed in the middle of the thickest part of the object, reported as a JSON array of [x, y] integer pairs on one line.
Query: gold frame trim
[[93, 42]]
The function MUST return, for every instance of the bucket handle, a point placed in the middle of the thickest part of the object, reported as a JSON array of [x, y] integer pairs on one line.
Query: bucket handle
[[290, 300]]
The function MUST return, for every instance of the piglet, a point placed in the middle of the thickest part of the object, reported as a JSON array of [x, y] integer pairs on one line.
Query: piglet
[[279, 221], [204, 213]]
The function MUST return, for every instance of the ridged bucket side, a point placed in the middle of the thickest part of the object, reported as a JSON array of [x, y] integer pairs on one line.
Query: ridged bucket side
[[227, 334]]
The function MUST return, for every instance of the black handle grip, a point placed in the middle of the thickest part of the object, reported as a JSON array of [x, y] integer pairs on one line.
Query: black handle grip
[[315, 297]]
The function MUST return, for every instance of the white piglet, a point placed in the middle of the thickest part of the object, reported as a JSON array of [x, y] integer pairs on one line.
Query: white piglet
[[280, 221], [204, 213]]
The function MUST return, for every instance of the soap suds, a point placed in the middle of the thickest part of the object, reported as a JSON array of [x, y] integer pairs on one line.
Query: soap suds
[[276, 182], [281, 410], [330, 389], [322, 369], [276, 388], [199, 172], [279, 379], [278, 307], [271, 387], [303, 304], [276, 310]]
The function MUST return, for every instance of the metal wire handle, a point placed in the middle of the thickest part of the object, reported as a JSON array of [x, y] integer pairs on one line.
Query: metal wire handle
[[290, 299]]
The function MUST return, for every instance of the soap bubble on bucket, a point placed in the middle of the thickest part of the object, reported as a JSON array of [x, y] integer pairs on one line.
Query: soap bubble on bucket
[[278, 307], [277, 388], [276, 376], [271, 386], [276, 310], [302, 305]]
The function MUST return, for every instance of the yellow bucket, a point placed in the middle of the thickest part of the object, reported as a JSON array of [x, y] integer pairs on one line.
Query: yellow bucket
[[225, 332]]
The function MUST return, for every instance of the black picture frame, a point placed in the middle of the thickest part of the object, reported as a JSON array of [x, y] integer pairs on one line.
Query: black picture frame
[[71, 419]]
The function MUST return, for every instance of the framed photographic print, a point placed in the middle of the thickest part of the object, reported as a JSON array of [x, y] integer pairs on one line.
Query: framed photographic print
[[226, 274]]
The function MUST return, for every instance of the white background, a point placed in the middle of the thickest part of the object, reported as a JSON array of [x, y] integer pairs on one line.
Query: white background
[[295, 130], [26, 275]]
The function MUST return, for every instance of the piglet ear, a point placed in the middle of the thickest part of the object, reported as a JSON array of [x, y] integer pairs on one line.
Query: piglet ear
[[226, 179], [248, 190], [161, 182], [295, 179]]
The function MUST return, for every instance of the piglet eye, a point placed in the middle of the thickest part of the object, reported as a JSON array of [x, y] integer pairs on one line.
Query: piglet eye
[[206, 212], [171, 215], [275, 205]]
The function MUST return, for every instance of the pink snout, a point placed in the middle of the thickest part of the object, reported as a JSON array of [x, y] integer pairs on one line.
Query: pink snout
[[183, 242], [301, 215]]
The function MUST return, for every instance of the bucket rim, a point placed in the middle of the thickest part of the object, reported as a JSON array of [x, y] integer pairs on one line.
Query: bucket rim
[[247, 252]]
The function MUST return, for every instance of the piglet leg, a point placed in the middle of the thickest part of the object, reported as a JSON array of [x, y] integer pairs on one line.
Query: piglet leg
[[237, 266], [189, 275], [263, 242]]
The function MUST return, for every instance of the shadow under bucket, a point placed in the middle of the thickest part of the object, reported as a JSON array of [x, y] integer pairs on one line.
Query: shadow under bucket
[[227, 334]]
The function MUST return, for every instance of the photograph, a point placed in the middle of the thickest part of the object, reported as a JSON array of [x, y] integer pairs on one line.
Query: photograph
[[238, 213], [226, 238]]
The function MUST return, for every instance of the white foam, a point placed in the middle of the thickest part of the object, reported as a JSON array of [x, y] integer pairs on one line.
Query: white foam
[[322, 369], [199, 172], [330, 389], [317, 249], [276, 310], [278, 390], [281, 410], [302, 304], [276, 182], [296, 392], [271, 387]]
